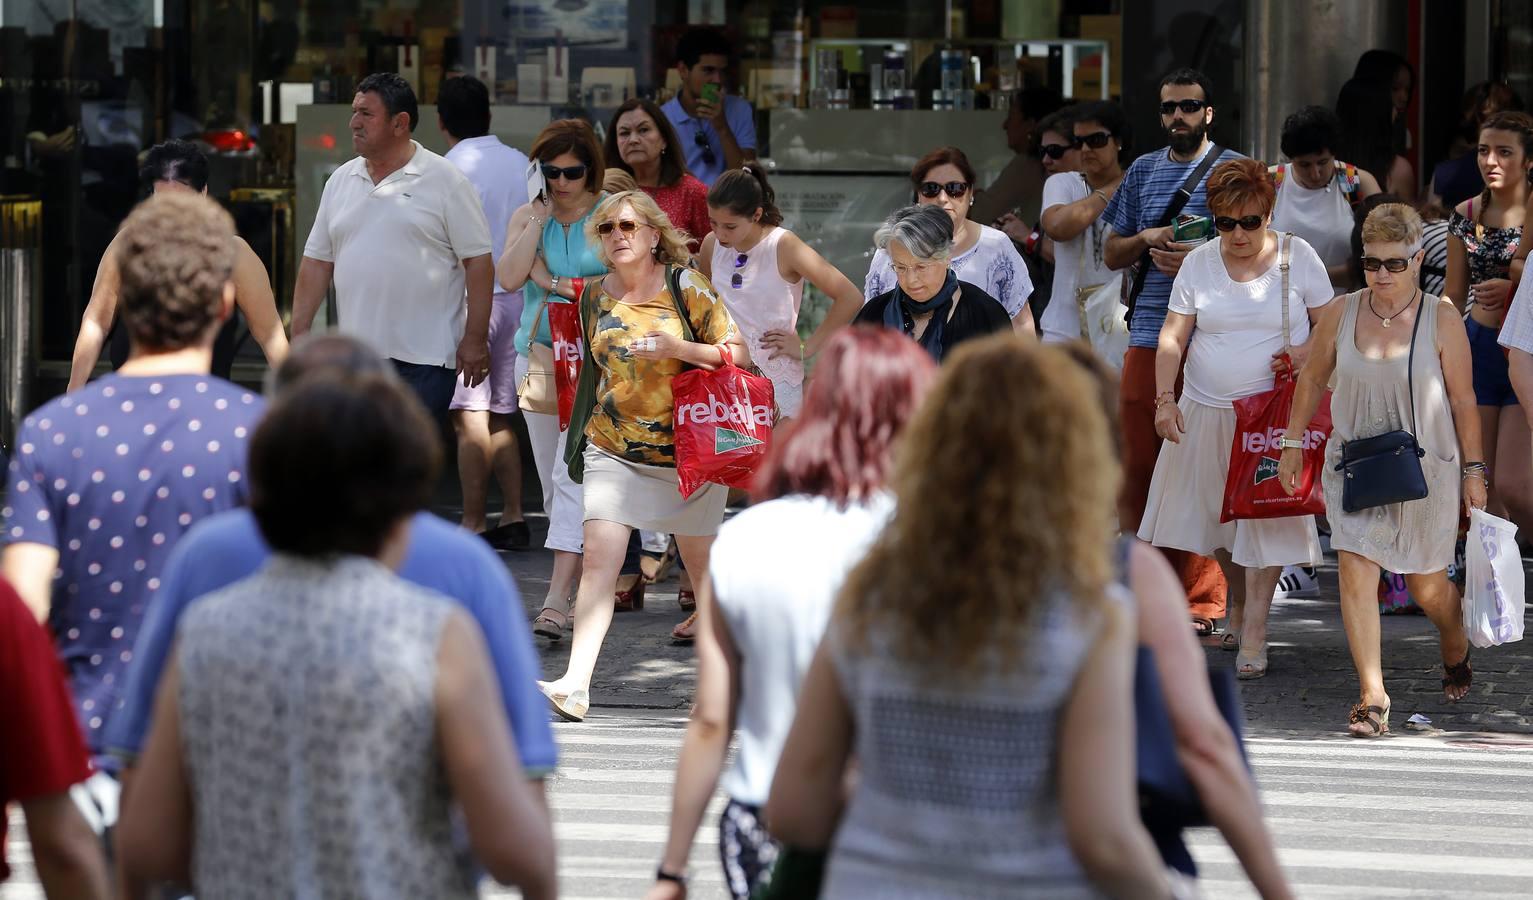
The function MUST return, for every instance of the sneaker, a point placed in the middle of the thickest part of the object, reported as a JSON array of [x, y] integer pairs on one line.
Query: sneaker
[[1297, 581]]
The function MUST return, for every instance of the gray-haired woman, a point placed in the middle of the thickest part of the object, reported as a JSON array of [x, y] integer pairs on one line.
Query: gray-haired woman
[[928, 302]]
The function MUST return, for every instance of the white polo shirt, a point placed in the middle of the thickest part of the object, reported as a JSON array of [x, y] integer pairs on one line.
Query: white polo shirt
[[398, 248]]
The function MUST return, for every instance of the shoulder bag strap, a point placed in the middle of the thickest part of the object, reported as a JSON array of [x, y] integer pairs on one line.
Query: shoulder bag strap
[[1173, 209], [673, 281], [1286, 241], [1410, 361]]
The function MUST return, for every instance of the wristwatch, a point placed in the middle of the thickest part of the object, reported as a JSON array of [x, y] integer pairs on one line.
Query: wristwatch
[[553, 287], [1289, 443]]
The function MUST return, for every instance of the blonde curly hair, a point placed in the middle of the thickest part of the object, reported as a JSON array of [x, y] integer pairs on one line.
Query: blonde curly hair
[[1006, 483], [673, 247], [175, 256]]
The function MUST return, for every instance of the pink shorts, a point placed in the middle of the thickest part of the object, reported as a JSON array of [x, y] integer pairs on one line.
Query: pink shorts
[[497, 393]]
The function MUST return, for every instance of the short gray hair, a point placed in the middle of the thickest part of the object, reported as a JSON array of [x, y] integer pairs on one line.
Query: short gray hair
[[925, 231]]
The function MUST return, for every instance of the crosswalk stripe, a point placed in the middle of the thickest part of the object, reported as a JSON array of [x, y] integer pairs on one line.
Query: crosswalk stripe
[[1397, 863]]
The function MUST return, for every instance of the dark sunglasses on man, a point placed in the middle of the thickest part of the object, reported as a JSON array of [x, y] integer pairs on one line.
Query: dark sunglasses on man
[[1396, 265], [568, 173], [1169, 107], [1246, 223], [701, 140], [954, 189], [1096, 140], [1054, 151]]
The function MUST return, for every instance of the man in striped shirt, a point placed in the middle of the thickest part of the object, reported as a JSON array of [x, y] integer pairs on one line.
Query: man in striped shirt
[[1133, 217]]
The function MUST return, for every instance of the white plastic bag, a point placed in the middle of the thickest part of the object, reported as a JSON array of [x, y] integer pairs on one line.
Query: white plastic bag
[[1102, 321], [1493, 584]]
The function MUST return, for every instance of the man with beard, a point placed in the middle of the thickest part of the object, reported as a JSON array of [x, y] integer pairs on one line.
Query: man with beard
[[1139, 233]]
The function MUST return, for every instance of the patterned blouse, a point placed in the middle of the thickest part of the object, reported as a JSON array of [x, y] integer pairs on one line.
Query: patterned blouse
[[1489, 250], [308, 726], [634, 408]]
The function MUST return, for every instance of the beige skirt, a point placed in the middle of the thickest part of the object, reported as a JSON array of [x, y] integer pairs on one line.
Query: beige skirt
[[1187, 494], [647, 497]]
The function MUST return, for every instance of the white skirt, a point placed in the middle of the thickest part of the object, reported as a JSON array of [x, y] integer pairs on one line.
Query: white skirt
[[1187, 496]]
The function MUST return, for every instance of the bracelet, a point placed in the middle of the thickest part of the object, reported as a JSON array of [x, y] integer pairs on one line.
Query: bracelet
[[1479, 475], [1163, 398], [553, 286], [1030, 246], [1472, 466], [1098, 193], [662, 875]]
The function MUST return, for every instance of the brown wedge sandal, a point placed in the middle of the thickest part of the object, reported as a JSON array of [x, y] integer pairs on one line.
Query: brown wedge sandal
[[1368, 721]]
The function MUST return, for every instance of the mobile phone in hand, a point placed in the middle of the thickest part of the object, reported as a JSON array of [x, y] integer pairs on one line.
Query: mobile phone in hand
[[712, 91]]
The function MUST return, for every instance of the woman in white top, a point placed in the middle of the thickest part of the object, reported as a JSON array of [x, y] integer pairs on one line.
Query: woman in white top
[[761, 630], [1231, 291], [982, 256], [1072, 217], [1317, 193], [759, 268], [983, 701]]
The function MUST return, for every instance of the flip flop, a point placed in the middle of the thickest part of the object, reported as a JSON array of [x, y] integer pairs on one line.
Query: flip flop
[[1230, 641], [1202, 627]]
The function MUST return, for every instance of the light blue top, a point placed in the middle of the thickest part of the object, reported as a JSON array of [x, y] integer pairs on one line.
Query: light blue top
[[223, 549], [737, 113], [567, 255]]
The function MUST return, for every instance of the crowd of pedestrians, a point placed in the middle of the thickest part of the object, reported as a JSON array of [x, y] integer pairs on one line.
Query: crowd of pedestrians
[[230, 616]]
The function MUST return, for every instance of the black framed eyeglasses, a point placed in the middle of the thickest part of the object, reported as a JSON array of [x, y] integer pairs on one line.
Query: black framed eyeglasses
[[1096, 140], [700, 138], [1189, 106], [1396, 265], [568, 173], [954, 189], [1053, 151], [626, 226], [737, 279], [1246, 223]]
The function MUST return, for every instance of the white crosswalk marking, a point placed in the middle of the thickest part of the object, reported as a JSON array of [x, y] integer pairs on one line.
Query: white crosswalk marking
[[1407, 817]]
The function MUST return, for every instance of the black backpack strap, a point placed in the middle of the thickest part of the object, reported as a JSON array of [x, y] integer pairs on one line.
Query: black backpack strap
[[1173, 209]]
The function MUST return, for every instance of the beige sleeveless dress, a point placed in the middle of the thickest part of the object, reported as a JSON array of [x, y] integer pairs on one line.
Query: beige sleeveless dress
[[1372, 397]]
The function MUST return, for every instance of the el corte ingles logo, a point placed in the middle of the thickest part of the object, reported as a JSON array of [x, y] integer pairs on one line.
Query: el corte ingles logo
[[727, 440]]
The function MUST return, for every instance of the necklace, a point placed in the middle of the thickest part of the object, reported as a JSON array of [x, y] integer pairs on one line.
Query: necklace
[[1387, 320]]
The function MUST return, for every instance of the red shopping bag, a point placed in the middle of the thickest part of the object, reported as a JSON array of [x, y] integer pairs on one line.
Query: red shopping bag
[[722, 425], [1252, 490], [569, 352]]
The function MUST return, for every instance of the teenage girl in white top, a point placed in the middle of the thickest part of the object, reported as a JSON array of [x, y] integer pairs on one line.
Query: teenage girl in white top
[[759, 268]]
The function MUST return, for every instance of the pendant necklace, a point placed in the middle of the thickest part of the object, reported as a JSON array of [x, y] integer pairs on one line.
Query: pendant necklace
[[1389, 319]]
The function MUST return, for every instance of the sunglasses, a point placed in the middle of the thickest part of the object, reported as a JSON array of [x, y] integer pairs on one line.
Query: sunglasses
[[1169, 107], [1396, 265], [1096, 140], [737, 279], [701, 140], [954, 189], [626, 226], [569, 173], [1054, 151], [1246, 223]]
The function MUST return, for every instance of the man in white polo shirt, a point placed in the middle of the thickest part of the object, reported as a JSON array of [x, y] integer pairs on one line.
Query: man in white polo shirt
[[402, 232], [481, 415]]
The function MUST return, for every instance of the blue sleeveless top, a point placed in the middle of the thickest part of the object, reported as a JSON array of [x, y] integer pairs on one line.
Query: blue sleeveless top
[[567, 255]]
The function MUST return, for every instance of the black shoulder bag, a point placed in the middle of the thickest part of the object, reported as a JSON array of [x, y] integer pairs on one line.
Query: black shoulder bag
[[1141, 268], [1386, 468]]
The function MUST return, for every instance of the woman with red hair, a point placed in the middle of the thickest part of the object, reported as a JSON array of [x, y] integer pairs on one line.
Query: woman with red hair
[[1232, 300], [825, 502]]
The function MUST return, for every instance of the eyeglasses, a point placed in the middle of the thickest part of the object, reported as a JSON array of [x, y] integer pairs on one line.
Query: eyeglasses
[[627, 226], [737, 279], [1396, 265], [569, 173], [920, 270], [1246, 223], [1096, 140], [1054, 151], [954, 189], [1169, 107], [701, 140]]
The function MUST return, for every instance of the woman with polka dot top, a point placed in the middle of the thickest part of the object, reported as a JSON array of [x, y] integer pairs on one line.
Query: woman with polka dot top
[[105, 479]]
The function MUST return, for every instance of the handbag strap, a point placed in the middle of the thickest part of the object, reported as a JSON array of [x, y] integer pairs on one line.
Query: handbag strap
[[1286, 243], [1174, 208], [1410, 360]]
